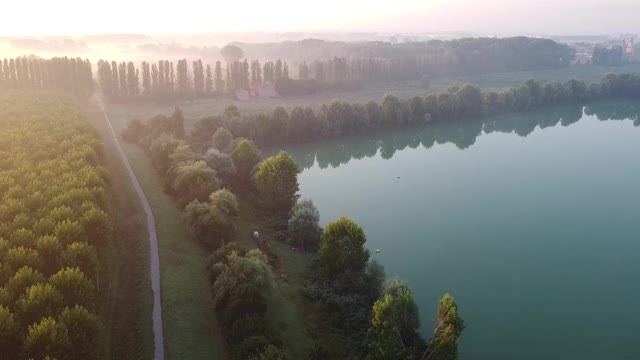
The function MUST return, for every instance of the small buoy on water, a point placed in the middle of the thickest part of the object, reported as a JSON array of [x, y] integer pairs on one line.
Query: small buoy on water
[[398, 177], [377, 251]]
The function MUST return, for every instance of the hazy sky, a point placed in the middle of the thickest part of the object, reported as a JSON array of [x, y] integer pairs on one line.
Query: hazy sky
[[63, 17]]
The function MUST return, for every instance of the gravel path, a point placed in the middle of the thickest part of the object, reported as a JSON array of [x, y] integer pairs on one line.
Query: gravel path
[[153, 250]]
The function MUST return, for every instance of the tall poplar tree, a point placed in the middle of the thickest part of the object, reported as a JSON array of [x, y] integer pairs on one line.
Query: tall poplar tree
[[146, 79], [115, 79], [278, 70], [133, 84], [161, 80], [218, 78], [209, 80], [122, 73]]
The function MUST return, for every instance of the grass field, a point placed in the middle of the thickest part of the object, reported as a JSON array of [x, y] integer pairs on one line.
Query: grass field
[[196, 109], [190, 329], [126, 299], [289, 314]]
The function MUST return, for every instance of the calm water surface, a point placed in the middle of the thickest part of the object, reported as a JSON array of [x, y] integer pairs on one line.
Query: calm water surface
[[532, 222]]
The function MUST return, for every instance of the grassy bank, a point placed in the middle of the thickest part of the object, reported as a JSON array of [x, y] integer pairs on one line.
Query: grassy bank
[[289, 314], [126, 299], [189, 321]]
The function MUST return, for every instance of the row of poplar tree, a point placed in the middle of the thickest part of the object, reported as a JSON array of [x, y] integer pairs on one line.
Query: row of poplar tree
[[165, 79], [52, 219], [58, 74]]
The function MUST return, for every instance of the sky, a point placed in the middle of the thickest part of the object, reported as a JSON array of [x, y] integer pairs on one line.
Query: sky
[[557, 17]]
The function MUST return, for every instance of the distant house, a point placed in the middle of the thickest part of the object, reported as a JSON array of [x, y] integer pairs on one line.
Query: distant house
[[264, 90], [629, 50]]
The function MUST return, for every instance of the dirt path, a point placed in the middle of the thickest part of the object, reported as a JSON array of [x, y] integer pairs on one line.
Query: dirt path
[[158, 336]]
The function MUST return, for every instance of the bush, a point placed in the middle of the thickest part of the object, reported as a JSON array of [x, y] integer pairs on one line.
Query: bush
[[221, 139], [135, 131], [195, 181], [222, 164], [304, 225]]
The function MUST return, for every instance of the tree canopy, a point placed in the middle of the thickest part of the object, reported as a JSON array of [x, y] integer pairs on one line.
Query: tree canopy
[[277, 182], [342, 248], [394, 325], [304, 225], [53, 216]]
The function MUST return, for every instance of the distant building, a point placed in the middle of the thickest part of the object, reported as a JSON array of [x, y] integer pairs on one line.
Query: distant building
[[628, 46]]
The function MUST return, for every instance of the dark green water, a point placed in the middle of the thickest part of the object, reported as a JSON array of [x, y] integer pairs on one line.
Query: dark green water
[[532, 222]]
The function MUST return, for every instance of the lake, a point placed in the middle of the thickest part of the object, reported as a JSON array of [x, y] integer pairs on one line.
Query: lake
[[531, 221]]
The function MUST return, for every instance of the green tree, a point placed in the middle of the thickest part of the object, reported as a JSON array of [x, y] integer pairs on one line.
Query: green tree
[[84, 330], [133, 81], [447, 329], [49, 249], [97, 226], [222, 164], [392, 110], [9, 334], [209, 224], [75, 288], [277, 182], [160, 150], [200, 221], [195, 181], [394, 327], [146, 79], [231, 53], [471, 100], [38, 301], [198, 77], [177, 119], [226, 201], [221, 139], [122, 72], [245, 156], [80, 255], [361, 121], [209, 80], [22, 280], [342, 248], [218, 78], [242, 278], [304, 225], [20, 256], [182, 155], [68, 232], [115, 80], [47, 338]]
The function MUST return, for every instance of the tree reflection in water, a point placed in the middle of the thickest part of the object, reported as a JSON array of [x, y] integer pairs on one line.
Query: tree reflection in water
[[462, 133]]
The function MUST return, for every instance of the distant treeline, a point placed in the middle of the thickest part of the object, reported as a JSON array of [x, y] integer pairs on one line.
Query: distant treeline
[[465, 56], [461, 56], [413, 61], [71, 75], [340, 118], [164, 80]]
